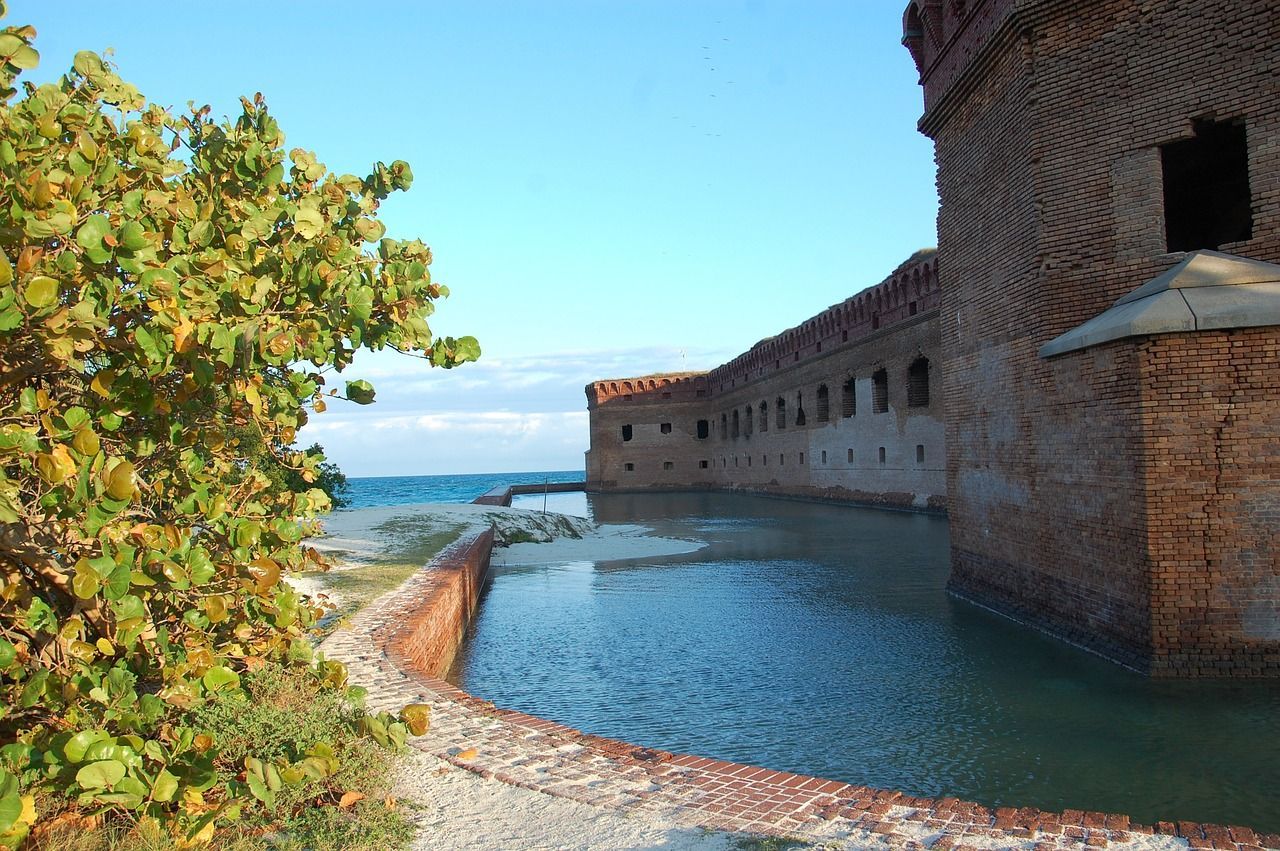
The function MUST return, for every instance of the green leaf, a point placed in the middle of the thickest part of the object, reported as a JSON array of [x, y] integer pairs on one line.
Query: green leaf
[[466, 349], [117, 584], [10, 810], [78, 745], [6, 271], [308, 223], [88, 64], [361, 392], [41, 292], [91, 233], [165, 787], [8, 653], [102, 774], [220, 677], [132, 236]]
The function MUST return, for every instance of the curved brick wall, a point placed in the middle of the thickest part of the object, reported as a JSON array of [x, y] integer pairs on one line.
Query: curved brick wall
[[398, 646]]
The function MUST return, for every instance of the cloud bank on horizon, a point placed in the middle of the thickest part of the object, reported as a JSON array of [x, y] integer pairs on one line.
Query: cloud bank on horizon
[[500, 414]]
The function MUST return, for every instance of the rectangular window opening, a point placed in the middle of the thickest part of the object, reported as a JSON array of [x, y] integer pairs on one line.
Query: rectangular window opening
[[626, 433], [882, 456], [668, 465], [665, 428], [1207, 198], [850, 456], [629, 467], [702, 465], [919, 453], [704, 429]]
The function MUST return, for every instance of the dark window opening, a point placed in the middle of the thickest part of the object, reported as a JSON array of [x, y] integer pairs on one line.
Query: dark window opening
[[630, 468], [824, 456], [819, 345], [850, 456], [764, 416], [795, 356], [824, 404], [749, 425], [668, 465], [782, 459], [626, 433], [918, 383], [781, 406], [702, 465], [665, 428], [844, 336], [749, 457], [911, 309], [849, 399], [1207, 200], [724, 426], [700, 393], [735, 430], [879, 392], [875, 321], [882, 455], [735, 460], [800, 419], [764, 460], [919, 453], [802, 459], [704, 428]]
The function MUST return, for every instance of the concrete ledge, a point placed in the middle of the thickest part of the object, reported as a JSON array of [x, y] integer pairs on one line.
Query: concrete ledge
[[1207, 291], [397, 646]]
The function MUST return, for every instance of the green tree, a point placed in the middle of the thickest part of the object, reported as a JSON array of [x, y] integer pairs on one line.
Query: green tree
[[167, 281]]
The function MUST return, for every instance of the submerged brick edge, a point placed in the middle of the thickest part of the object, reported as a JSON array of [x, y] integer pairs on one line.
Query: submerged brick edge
[[399, 646]]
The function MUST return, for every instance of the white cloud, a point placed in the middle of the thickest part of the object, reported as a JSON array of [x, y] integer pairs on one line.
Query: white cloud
[[503, 414]]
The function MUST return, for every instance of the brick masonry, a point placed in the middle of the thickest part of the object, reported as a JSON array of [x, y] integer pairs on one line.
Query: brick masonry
[[398, 646], [797, 414], [1124, 496]]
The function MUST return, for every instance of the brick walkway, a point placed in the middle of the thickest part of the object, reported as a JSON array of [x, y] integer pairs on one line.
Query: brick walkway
[[694, 791]]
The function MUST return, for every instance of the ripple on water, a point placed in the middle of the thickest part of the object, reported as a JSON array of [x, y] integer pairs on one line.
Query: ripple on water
[[820, 639]]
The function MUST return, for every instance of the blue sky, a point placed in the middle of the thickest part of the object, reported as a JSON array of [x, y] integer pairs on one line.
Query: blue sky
[[610, 188]]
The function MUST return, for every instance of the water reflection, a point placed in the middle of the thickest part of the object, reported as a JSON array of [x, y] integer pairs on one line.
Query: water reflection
[[820, 639]]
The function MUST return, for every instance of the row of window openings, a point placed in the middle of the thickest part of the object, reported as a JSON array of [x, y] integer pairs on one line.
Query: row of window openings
[[917, 397], [782, 460]]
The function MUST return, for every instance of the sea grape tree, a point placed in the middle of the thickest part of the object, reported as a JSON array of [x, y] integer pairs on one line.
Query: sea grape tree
[[167, 282]]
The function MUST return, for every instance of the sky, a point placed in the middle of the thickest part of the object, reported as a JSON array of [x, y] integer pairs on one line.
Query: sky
[[609, 188]]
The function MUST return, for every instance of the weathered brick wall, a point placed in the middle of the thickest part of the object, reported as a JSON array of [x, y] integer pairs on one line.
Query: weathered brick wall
[[1048, 119], [426, 638], [1211, 411], [893, 457]]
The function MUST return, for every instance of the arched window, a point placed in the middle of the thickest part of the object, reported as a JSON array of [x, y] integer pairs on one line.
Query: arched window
[[849, 399], [749, 425], [781, 406], [918, 383], [879, 392], [764, 416], [724, 426], [733, 432], [824, 404], [800, 420]]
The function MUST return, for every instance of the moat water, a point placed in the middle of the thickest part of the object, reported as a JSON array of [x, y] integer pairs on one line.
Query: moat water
[[820, 639]]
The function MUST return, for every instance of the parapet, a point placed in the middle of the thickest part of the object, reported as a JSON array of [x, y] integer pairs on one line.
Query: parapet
[[910, 290], [944, 38], [659, 387]]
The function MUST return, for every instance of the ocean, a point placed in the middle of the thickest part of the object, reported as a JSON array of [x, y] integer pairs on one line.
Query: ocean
[[371, 491]]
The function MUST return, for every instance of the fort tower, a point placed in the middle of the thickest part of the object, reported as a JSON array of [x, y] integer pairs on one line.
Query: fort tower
[[1113, 471]]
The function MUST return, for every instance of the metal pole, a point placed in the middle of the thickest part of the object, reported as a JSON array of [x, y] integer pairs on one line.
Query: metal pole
[[546, 485]]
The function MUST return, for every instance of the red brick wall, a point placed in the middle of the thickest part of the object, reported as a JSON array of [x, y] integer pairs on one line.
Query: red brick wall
[[426, 638], [1211, 411], [1048, 119]]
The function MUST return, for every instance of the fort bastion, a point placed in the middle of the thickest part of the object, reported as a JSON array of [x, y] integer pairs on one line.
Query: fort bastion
[[1087, 373]]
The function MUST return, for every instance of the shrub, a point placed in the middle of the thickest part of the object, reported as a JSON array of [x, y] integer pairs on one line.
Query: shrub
[[153, 306]]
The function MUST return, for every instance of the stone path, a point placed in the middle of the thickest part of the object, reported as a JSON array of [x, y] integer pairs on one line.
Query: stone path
[[693, 791]]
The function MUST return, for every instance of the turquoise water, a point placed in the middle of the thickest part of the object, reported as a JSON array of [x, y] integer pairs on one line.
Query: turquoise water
[[820, 639], [372, 491]]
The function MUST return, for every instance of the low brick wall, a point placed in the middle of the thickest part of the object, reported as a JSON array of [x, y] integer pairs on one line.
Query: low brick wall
[[399, 646], [426, 638]]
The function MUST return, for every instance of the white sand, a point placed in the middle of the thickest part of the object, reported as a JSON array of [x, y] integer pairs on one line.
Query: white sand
[[461, 811]]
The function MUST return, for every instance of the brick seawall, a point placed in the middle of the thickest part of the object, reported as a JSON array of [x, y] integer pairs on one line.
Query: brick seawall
[[401, 645]]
